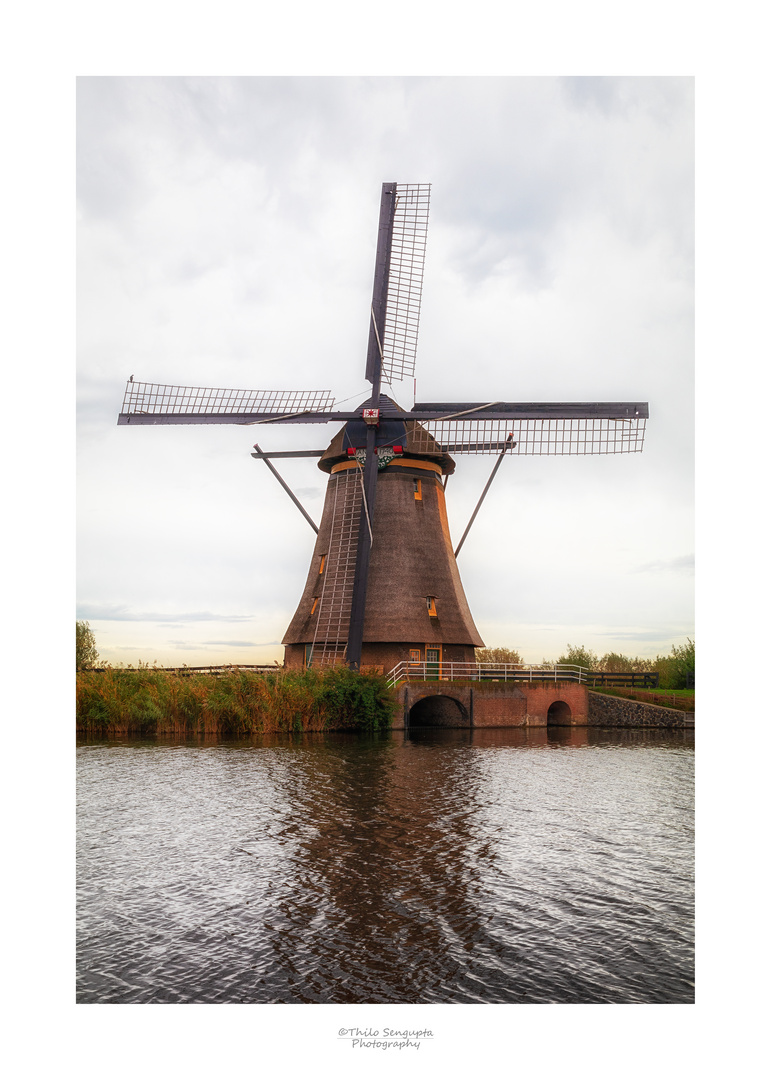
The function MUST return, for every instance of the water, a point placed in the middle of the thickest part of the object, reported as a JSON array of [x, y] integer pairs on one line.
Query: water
[[439, 866]]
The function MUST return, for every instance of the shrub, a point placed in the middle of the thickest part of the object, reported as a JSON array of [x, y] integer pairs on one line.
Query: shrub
[[86, 655], [614, 661], [497, 656], [580, 657], [674, 669], [350, 699]]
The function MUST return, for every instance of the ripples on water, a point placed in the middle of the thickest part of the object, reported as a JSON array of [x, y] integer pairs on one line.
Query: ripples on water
[[439, 866]]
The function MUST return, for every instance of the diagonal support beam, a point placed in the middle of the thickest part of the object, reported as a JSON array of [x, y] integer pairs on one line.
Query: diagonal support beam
[[496, 467], [287, 489], [288, 454]]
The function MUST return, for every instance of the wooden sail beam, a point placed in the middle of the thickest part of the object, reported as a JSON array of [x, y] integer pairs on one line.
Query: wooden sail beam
[[544, 410]]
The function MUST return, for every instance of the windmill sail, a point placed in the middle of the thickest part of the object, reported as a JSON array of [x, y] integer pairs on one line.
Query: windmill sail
[[159, 403], [398, 286], [405, 281], [557, 436], [538, 428]]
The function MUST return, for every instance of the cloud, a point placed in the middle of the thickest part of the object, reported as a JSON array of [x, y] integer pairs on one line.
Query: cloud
[[243, 644], [643, 635], [679, 564], [118, 613]]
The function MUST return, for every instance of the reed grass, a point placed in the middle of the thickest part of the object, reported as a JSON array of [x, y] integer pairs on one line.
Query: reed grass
[[149, 701]]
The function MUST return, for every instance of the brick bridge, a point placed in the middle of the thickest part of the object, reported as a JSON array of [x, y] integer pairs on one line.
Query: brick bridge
[[492, 704]]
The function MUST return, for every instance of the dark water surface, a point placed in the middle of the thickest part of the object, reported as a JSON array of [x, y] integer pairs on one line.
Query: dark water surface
[[434, 866]]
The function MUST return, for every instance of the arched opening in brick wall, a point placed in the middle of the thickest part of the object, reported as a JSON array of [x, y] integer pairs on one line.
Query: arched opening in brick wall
[[438, 711], [559, 714]]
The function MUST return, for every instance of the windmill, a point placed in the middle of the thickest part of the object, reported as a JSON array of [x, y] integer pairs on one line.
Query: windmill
[[383, 585]]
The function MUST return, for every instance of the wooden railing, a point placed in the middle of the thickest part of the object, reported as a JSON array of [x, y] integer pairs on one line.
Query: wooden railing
[[207, 669], [643, 679]]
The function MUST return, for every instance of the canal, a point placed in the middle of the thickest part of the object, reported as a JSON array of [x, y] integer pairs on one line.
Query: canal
[[434, 866]]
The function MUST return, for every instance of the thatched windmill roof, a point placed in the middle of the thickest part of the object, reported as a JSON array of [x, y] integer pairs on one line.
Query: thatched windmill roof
[[412, 560]]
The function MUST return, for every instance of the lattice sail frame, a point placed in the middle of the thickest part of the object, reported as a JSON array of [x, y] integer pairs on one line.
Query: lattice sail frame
[[149, 399], [551, 437], [405, 281]]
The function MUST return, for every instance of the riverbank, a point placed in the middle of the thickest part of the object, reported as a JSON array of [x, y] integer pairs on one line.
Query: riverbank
[[230, 704], [609, 711], [684, 700]]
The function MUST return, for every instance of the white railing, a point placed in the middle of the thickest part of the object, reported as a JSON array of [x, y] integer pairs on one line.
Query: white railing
[[431, 672]]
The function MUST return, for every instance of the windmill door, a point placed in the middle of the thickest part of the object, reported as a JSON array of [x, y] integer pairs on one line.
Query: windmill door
[[433, 665]]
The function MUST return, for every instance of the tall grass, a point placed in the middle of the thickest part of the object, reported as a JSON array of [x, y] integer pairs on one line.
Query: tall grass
[[148, 701]]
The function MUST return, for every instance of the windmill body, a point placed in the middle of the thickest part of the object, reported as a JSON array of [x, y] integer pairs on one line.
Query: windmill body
[[383, 586], [415, 606]]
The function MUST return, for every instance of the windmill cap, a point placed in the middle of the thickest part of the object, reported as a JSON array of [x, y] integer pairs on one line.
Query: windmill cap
[[390, 432]]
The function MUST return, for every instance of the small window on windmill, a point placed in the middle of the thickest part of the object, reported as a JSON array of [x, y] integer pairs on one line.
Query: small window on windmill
[[315, 604], [321, 564], [414, 656], [431, 603], [418, 490]]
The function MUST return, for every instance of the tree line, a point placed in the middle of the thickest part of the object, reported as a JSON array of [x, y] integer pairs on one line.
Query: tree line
[[676, 670]]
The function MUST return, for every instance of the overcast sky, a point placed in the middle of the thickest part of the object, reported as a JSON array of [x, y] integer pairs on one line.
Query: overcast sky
[[226, 237]]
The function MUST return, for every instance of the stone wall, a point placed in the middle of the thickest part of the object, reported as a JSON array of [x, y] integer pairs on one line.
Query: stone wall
[[607, 711]]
